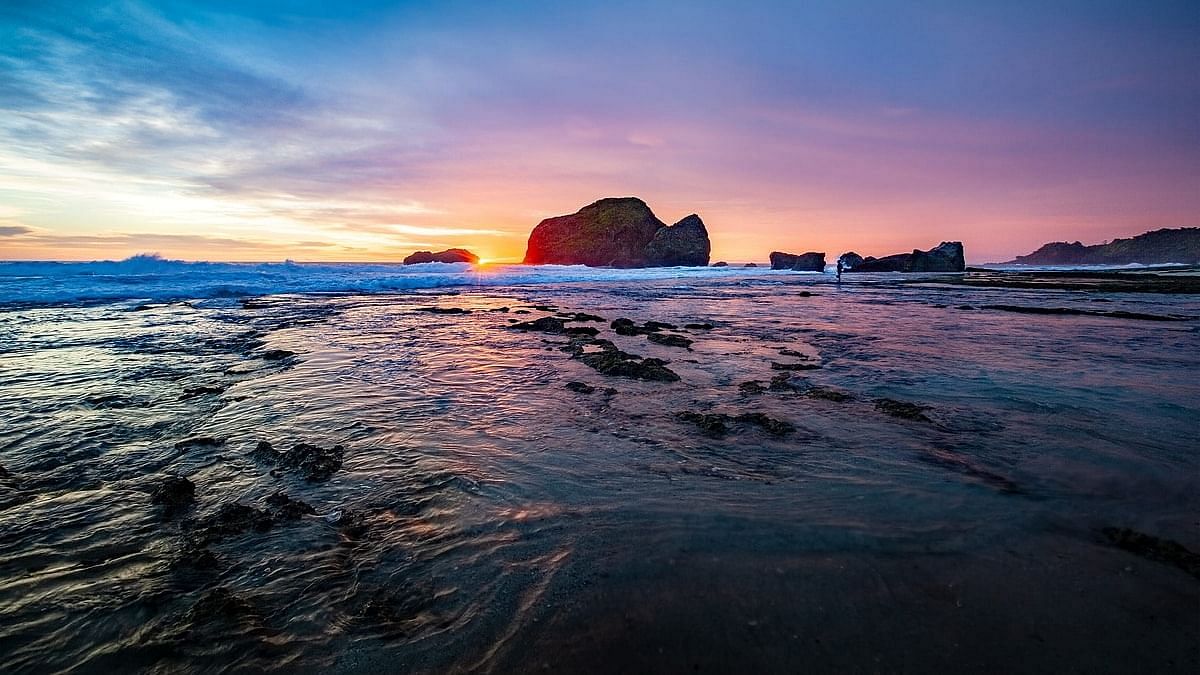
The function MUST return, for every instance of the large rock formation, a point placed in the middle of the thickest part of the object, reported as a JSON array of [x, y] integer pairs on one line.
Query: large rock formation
[[805, 262], [945, 257], [617, 232], [850, 259], [450, 255], [1177, 245], [683, 244]]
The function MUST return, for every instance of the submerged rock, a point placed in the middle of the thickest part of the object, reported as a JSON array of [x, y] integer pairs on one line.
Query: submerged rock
[[621, 364], [583, 316], [220, 604], [902, 409], [313, 462], [174, 494], [768, 424], [670, 340], [444, 310], [265, 453], [277, 354], [1154, 548], [546, 324], [580, 387], [752, 387], [284, 507], [230, 519], [698, 326], [199, 442], [805, 262], [617, 232], [205, 390], [450, 255], [581, 330], [945, 257], [775, 365], [712, 425], [827, 394]]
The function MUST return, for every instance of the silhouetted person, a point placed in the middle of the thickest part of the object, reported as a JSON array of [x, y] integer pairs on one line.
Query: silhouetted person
[[840, 266]]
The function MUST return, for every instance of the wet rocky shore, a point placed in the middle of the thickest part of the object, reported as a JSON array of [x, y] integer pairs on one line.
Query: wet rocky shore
[[766, 473]]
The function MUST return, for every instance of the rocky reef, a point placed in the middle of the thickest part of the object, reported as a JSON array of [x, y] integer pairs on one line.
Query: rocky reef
[[945, 257], [450, 255], [1168, 245], [805, 262], [618, 232]]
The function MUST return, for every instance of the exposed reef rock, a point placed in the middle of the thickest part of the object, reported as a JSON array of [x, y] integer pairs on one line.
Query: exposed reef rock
[[174, 494], [945, 257], [805, 262], [1168, 245], [450, 255], [313, 462], [1153, 548], [618, 232]]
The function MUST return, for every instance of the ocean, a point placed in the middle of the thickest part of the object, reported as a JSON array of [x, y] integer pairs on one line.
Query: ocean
[[888, 474]]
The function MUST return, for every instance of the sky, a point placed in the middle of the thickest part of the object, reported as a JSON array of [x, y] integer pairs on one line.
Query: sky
[[366, 130]]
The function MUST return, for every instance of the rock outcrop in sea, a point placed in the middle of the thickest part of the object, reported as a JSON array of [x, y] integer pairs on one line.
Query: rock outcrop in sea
[[1168, 245], [805, 262], [450, 255], [945, 257], [618, 232]]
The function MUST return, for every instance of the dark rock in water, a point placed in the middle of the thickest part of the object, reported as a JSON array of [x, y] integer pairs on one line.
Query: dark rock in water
[[581, 316], [620, 364], [545, 308], [625, 327], [792, 353], [580, 387], [782, 382], [546, 324], [768, 424], [220, 604], [4, 473], [752, 387], [684, 244], [850, 260], [265, 453], [720, 263], [750, 265], [1154, 548], [313, 462], [229, 520], [945, 257], [500, 309], [1168, 245], [698, 326], [277, 354], [174, 494], [902, 409], [670, 340], [657, 326], [444, 310], [805, 262], [199, 442], [717, 425], [826, 394], [710, 424], [617, 232], [193, 392], [450, 255], [284, 507], [775, 365], [581, 330], [1067, 311]]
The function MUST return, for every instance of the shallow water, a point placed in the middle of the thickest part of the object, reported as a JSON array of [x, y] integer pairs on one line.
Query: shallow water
[[487, 518]]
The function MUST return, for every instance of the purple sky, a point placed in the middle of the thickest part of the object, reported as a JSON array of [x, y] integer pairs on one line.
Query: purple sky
[[367, 130]]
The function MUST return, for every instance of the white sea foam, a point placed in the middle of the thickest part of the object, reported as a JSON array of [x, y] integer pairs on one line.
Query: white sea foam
[[151, 278]]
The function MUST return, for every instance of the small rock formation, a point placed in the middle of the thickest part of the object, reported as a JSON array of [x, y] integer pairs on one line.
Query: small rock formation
[[850, 260], [902, 409], [618, 232], [313, 462], [805, 262], [750, 265], [945, 257], [450, 255], [174, 494], [684, 244], [720, 263]]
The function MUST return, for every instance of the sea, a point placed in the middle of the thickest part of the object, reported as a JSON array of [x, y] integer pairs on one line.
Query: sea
[[398, 468]]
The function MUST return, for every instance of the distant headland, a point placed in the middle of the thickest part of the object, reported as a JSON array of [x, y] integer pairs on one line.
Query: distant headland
[[1168, 245]]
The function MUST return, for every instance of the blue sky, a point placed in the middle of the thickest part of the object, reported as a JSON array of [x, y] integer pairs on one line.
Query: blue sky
[[344, 131]]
